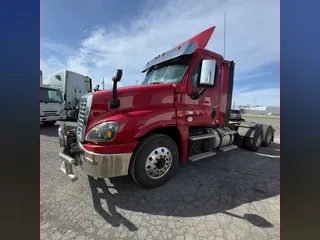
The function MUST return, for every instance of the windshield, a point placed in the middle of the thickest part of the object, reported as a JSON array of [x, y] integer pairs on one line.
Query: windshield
[[50, 95], [169, 72]]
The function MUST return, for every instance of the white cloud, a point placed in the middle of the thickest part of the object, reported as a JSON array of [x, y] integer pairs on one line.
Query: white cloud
[[252, 37], [56, 48], [266, 97]]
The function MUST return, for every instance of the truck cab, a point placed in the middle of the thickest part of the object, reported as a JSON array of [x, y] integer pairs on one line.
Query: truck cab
[[51, 105], [179, 113]]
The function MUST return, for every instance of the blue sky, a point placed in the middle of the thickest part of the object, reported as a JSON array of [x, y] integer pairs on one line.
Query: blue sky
[[93, 37]]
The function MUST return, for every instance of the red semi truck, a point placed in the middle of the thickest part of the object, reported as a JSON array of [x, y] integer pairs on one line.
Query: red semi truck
[[179, 113]]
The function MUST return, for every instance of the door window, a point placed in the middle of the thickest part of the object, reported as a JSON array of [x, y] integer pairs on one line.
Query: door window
[[196, 75]]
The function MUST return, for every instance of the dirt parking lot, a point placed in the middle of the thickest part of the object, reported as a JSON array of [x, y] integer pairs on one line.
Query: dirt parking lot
[[233, 195]]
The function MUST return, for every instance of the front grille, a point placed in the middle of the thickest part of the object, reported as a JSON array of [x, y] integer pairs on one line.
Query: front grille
[[50, 113], [84, 111]]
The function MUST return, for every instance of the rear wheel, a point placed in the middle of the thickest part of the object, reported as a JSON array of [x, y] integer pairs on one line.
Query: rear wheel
[[48, 123], [268, 137], [155, 161], [255, 143]]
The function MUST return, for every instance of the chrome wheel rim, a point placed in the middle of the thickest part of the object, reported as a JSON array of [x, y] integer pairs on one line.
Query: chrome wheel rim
[[158, 162]]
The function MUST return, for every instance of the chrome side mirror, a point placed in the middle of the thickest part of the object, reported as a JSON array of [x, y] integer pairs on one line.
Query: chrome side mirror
[[208, 73]]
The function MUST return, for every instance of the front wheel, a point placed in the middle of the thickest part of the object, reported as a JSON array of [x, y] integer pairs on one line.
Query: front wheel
[[155, 161], [48, 123]]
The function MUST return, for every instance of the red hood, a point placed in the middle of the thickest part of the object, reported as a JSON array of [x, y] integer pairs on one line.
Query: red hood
[[132, 100]]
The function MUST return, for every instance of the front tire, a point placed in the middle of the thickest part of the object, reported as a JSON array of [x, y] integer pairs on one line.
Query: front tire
[[155, 161], [48, 123]]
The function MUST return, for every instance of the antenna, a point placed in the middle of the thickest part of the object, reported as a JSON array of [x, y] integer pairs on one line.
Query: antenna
[[224, 39]]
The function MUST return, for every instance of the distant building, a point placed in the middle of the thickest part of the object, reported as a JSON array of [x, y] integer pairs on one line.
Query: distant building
[[273, 110], [262, 110]]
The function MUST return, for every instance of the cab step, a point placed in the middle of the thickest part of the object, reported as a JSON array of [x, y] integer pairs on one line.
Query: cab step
[[202, 136], [201, 156], [227, 148]]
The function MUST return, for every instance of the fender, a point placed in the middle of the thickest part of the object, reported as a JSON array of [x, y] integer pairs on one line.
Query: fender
[[247, 129], [135, 124]]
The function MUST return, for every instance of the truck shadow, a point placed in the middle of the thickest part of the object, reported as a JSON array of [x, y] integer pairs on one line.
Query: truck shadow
[[113, 216], [215, 185]]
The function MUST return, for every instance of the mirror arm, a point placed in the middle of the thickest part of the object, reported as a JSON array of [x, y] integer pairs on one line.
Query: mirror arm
[[115, 102], [195, 95]]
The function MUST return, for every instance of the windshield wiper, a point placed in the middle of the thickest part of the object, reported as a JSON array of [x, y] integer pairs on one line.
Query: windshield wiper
[[43, 101], [157, 83]]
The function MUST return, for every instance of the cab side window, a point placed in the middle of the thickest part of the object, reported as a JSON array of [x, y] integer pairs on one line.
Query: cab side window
[[196, 75]]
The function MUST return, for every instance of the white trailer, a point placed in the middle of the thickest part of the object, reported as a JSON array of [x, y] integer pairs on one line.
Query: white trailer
[[73, 86]]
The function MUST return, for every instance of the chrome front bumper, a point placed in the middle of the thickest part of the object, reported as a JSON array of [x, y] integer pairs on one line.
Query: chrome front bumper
[[93, 164], [104, 165]]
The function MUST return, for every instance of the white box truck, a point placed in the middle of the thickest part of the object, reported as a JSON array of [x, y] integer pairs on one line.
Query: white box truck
[[51, 105], [73, 86]]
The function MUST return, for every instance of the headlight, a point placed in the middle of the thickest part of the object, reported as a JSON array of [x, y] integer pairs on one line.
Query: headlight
[[103, 132]]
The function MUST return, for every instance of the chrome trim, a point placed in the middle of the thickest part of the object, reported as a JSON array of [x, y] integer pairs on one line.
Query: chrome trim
[[84, 112], [104, 165], [185, 49], [66, 166]]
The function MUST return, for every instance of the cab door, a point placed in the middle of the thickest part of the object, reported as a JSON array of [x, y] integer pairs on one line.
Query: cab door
[[202, 110]]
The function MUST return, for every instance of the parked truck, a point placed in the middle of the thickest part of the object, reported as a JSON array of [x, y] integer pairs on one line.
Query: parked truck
[[179, 113], [73, 86], [51, 106]]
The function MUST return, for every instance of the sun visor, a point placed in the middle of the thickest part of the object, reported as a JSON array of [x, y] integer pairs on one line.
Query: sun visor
[[201, 39], [183, 49], [187, 47]]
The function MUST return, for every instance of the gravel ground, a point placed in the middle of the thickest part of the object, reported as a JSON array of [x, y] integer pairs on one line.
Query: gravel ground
[[233, 195]]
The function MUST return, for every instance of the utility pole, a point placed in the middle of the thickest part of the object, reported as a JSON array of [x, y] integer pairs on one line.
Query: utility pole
[[102, 83]]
